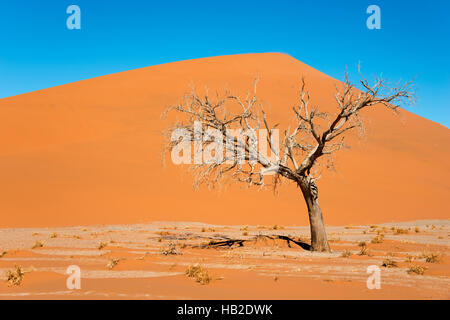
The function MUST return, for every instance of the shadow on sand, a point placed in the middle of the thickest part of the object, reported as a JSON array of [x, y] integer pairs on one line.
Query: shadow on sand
[[229, 243]]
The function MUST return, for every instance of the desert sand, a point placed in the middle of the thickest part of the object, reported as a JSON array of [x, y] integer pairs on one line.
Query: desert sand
[[151, 261], [82, 183], [90, 153]]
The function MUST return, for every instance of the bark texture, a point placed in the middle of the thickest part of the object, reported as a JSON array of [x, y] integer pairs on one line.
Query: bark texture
[[319, 240]]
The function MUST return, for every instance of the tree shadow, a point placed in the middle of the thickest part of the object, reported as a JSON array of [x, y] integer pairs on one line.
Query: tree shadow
[[229, 243], [303, 245]]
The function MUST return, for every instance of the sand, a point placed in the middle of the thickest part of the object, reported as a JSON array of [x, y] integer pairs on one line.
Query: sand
[[259, 269], [89, 153], [81, 175]]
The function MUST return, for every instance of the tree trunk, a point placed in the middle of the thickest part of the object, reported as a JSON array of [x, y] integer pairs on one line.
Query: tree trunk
[[319, 241]]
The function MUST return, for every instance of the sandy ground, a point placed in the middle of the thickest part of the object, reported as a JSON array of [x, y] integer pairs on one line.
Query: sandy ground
[[151, 261]]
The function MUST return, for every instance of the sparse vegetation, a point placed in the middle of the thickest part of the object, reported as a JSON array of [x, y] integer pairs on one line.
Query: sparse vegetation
[[378, 239], [431, 257], [54, 235], [388, 263], [102, 245], [37, 244], [364, 251], [112, 263], [200, 274], [3, 253], [15, 277], [420, 270], [170, 250], [346, 254], [166, 233], [400, 231]]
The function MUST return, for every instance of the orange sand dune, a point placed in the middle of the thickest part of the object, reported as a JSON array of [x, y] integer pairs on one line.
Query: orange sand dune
[[89, 153]]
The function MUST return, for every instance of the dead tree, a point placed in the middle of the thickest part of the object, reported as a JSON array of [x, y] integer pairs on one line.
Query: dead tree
[[315, 135]]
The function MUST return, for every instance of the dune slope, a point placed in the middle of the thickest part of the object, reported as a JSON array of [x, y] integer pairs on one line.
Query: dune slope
[[90, 153]]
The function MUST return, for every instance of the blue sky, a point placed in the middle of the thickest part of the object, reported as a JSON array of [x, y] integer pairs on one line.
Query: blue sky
[[38, 51]]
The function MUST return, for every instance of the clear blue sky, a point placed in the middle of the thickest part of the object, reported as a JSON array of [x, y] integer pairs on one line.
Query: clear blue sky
[[38, 51]]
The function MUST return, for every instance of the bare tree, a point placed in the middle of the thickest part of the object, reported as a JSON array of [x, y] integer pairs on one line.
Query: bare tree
[[315, 135]]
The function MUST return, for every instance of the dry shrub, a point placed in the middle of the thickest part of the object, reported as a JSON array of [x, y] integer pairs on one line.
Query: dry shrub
[[364, 250], [420, 270], [431, 257], [388, 263], [15, 277], [3, 253], [201, 275], [170, 250], [102, 245], [164, 233], [400, 231], [112, 263], [37, 244], [346, 254], [378, 239]]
